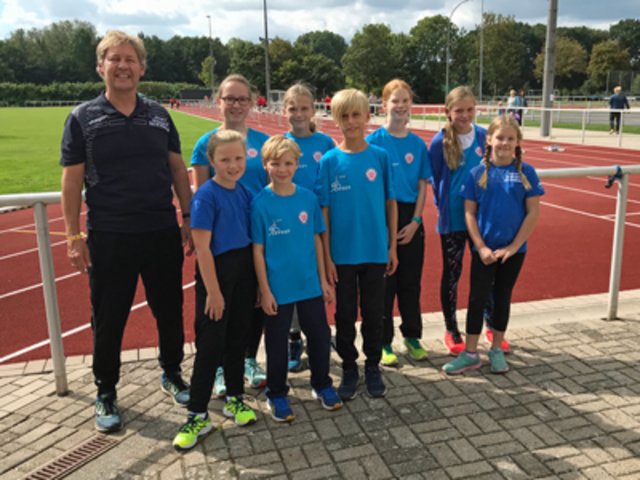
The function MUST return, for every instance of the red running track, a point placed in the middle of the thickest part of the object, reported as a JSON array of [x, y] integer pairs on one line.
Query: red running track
[[569, 253]]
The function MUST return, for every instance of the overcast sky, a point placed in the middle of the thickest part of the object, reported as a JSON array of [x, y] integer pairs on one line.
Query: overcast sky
[[290, 18]]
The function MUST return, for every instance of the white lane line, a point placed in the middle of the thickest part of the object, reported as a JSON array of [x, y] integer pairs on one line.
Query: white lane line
[[30, 225], [587, 192], [587, 214], [37, 285], [73, 331], [31, 250]]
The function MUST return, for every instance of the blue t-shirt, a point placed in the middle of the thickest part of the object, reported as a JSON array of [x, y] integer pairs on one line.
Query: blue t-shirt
[[472, 157], [225, 213], [409, 159], [355, 187], [312, 147], [502, 205], [286, 226], [255, 176]]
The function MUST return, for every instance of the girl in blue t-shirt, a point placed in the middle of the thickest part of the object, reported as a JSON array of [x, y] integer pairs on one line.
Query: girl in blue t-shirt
[[299, 109], [235, 100], [502, 203], [411, 170]]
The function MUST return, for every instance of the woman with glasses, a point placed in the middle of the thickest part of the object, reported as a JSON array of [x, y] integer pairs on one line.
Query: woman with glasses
[[235, 100]]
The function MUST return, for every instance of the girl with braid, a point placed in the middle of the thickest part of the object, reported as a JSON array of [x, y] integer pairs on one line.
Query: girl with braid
[[502, 204]]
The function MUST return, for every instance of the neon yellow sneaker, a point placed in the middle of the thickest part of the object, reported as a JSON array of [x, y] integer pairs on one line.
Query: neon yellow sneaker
[[235, 408], [192, 431], [389, 359], [416, 351]]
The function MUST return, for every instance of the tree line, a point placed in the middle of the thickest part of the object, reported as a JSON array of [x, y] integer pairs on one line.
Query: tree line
[[588, 61]]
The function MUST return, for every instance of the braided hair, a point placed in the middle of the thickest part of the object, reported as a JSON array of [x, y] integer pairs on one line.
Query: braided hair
[[451, 146]]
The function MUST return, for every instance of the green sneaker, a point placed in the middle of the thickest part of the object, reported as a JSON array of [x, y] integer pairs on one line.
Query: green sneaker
[[389, 359], [498, 362], [235, 408], [462, 363], [416, 351], [192, 431], [254, 374]]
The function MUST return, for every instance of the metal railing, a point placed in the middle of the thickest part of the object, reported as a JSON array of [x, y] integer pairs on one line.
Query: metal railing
[[39, 202]]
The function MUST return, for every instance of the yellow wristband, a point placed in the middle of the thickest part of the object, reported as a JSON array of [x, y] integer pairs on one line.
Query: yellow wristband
[[73, 238]]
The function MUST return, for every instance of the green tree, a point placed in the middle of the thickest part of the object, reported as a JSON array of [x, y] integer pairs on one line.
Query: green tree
[[571, 62], [607, 57], [247, 58], [314, 69], [627, 33], [327, 43], [205, 71]]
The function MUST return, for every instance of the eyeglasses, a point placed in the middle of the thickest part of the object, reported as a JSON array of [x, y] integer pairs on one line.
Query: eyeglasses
[[242, 101]]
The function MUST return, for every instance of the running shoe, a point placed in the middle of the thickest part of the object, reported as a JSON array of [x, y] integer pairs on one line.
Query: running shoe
[[462, 363], [374, 382], [254, 374], [280, 409], [295, 355], [191, 432], [454, 343], [348, 388], [219, 387], [329, 398], [107, 413], [506, 348], [175, 387], [242, 415], [388, 359], [498, 362], [416, 351]]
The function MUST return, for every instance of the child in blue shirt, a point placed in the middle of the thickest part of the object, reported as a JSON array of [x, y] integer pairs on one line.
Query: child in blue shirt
[[225, 287], [502, 204], [286, 223], [355, 187], [411, 170], [235, 100], [298, 104]]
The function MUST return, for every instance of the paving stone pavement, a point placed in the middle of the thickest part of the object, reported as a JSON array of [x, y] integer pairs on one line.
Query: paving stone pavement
[[568, 409]]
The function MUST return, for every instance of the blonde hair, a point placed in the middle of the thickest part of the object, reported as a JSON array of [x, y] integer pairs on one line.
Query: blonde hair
[[234, 77], [347, 101], [115, 38], [617, 89], [498, 123], [395, 84], [222, 137], [275, 147], [451, 147], [299, 90]]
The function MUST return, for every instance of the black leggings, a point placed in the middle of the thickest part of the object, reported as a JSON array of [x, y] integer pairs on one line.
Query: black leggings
[[496, 280], [452, 254]]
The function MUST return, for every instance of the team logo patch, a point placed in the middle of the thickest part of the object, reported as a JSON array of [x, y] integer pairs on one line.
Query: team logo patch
[[252, 152], [478, 151], [317, 156], [371, 174], [303, 216], [408, 158]]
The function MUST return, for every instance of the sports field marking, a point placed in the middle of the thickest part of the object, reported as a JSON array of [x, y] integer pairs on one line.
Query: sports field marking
[[73, 331], [588, 192], [29, 225], [30, 250], [37, 285], [587, 214]]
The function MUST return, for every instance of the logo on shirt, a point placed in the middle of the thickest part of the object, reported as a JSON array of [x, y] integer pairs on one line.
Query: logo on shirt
[[409, 158], [303, 217], [317, 156], [371, 174], [252, 152], [275, 230], [159, 122], [512, 177], [336, 185], [478, 151]]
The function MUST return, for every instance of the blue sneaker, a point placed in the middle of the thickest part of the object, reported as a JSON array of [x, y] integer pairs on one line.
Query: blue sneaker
[[295, 355], [348, 388], [219, 387], [462, 363], [175, 387], [498, 362], [280, 409], [329, 398], [107, 413], [373, 379]]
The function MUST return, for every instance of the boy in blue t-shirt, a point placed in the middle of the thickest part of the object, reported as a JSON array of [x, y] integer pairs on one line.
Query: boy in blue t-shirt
[[357, 197], [286, 223], [225, 287]]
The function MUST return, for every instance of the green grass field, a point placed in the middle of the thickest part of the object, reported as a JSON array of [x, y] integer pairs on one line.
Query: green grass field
[[30, 146]]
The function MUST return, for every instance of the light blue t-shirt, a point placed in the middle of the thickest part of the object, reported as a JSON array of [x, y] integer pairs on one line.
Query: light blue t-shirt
[[502, 205], [409, 159], [286, 226], [255, 176], [472, 157], [312, 147], [225, 213], [355, 187]]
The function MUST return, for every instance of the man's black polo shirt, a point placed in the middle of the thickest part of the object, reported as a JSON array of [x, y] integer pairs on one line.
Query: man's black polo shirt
[[127, 175]]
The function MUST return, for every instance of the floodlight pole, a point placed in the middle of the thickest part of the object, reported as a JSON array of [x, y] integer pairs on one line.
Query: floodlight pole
[[549, 69], [481, 49], [267, 76], [449, 46], [213, 62]]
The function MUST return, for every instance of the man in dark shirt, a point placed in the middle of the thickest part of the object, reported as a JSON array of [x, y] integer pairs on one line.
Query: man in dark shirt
[[617, 101], [125, 150]]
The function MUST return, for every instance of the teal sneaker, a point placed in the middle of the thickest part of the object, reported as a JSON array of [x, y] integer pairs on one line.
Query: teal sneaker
[[416, 351], [462, 363], [254, 374], [191, 432], [175, 387], [219, 387], [107, 413], [498, 362], [242, 415], [388, 359]]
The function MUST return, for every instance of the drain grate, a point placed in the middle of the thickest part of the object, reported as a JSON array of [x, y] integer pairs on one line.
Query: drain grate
[[73, 459]]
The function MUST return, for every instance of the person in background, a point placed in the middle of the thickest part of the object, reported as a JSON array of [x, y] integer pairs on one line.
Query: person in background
[[617, 101]]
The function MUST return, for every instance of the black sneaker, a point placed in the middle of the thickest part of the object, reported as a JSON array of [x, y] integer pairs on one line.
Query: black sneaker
[[107, 413], [176, 388], [373, 379], [348, 388]]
